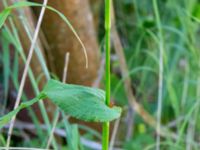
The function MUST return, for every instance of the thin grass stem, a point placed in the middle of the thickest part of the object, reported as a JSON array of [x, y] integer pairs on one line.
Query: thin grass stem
[[57, 115], [161, 66], [105, 135], [26, 71]]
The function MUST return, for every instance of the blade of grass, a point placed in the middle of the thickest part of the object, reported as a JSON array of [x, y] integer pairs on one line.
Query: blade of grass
[[14, 72], [57, 110], [26, 4], [20, 4], [105, 135], [160, 80], [29, 31], [15, 40], [4, 16], [6, 70], [26, 70], [2, 140]]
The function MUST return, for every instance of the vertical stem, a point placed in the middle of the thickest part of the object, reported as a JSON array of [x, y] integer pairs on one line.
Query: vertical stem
[[106, 125], [161, 69], [108, 30]]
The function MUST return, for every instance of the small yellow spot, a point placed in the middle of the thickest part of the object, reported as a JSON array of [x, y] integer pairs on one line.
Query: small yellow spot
[[141, 128]]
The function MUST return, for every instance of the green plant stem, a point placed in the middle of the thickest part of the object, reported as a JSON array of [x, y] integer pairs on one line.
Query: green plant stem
[[161, 70], [105, 136]]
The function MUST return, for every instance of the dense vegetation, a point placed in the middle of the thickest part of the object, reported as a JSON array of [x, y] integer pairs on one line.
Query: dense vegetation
[[151, 61]]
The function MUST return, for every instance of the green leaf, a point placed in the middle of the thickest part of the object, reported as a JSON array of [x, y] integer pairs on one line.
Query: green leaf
[[81, 102]]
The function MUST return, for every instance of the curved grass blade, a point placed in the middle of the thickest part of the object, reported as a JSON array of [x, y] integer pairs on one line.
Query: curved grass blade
[[3, 16], [7, 118], [5, 13]]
